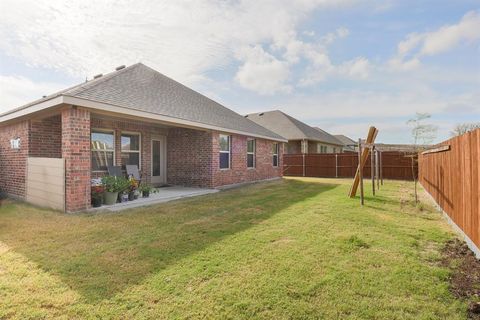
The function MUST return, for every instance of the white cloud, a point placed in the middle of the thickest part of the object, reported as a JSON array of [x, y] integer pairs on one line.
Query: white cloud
[[417, 45], [447, 37], [356, 68], [262, 72], [16, 91], [183, 39]]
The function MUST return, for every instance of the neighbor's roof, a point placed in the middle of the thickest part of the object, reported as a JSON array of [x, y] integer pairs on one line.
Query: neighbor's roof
[[290, 128], [345, 140], [140, 88]]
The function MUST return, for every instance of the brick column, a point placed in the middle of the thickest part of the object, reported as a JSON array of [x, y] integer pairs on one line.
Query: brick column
[[76, 152]]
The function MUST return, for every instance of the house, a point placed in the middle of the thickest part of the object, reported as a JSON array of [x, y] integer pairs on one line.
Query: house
[[138, 116], [349, 145], [301, 137]]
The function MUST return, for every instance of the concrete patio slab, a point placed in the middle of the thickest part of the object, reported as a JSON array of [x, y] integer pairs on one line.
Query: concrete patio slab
[[163, 195]]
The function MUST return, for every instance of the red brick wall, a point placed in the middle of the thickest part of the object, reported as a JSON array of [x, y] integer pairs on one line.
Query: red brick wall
[[189, 157], [238, 172], [13, 162], [76, 151], [46, 137]]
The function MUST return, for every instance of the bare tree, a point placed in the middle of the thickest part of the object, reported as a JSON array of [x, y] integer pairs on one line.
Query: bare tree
[[462, 128], [422, 133]]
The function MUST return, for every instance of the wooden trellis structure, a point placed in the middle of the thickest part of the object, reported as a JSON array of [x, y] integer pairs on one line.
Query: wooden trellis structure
[[364, 150]]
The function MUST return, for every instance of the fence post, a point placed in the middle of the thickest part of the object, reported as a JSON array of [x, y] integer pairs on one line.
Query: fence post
[[336, 165], [381, 167], [372, 168], [360, 169], [303, 156], [377, 170]]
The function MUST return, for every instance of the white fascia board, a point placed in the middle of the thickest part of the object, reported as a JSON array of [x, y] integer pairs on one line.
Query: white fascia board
[[31, 109]]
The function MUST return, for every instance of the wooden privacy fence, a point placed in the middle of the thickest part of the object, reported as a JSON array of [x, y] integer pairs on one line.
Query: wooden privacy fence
[[46, 182], [394, 165], [452, 177]]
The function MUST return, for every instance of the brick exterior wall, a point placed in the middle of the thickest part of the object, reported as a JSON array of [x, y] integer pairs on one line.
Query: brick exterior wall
[[238, 172], [76, 152], [46, 137], [13, 162], [192, 155], [189, 157]]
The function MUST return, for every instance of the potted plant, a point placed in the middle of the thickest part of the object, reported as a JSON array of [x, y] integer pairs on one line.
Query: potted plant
[[132, 189], [113, 186], [146, 189], [97, 195]]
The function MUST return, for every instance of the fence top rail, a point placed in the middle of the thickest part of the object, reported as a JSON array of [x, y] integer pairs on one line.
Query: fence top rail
[[436, 150]]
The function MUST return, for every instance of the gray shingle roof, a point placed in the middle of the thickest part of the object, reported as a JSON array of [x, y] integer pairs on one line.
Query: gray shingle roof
[[141, 88], [291, 128], [345, 140]]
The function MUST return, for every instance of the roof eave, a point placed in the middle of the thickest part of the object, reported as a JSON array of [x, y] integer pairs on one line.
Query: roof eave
[[81, 102]]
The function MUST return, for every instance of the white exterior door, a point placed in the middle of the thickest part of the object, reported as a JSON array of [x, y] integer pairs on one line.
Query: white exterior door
[[159, 160]]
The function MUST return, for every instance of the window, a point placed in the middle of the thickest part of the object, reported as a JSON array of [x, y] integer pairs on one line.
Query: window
[[324, 149], [334, 150], [319, 148], [130, 147], [224, 151], [275, 154], [103, 151], [250, 153]]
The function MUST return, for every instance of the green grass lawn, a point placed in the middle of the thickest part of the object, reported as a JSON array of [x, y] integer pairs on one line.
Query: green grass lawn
[[296, 248]]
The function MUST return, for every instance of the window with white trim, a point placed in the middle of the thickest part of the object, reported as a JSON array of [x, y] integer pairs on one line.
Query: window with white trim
[[275, 154], [251, 153], [102, 149], [130, 148], [224, 156]]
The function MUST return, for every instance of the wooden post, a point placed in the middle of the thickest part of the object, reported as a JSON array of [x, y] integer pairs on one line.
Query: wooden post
[[372, 134], [360, 168], [381, 167], [336, 165], [372, 168]]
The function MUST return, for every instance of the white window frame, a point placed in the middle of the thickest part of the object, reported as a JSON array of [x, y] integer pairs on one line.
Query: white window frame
[[319, 147], [130, 151], [102, 130], [276, 154], [229, 151], [252, 153]]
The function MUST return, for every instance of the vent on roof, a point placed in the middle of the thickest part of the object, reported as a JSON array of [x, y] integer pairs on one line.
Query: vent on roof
[[261, 114], [44, 96], [97, 76], [120, 67], [246, 116]]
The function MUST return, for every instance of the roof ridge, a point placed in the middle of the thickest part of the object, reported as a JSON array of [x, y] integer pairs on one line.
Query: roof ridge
[[94, 82]]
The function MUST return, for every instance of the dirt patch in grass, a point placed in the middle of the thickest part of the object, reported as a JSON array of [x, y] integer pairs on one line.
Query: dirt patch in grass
[[465, 278]]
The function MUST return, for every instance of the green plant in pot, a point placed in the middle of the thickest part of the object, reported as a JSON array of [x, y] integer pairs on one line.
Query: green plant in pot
[[97, 193], [146, 190], [113, 185]]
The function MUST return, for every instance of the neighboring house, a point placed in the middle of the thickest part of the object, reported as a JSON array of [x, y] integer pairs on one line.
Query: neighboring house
[[301, 137], [135, 115], [349, 145]]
